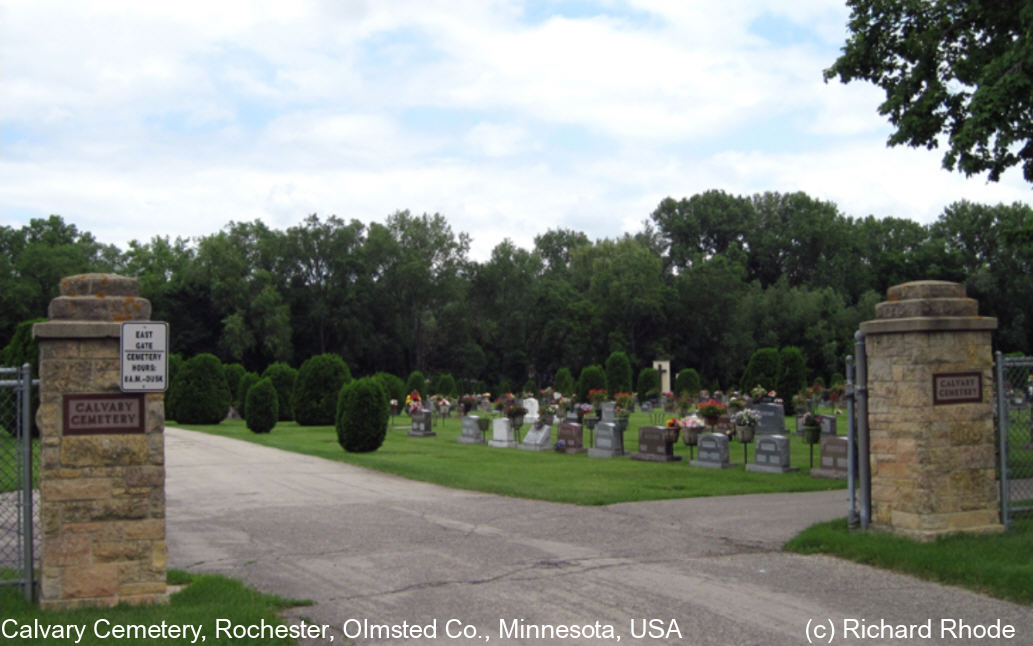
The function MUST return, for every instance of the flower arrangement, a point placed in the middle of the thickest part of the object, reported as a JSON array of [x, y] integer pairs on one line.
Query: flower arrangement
[[515, 409], [692, 422], [413, 404], [625, 401], [673, 422], [810, 419], [582, 410], [549, 409], [597, 396], [758, 392], [746, 417], [711, 409], [621, 412], [684, 404]]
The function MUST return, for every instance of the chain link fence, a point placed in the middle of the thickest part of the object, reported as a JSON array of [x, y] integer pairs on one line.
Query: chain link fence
[[1014, 397], [19, 459]]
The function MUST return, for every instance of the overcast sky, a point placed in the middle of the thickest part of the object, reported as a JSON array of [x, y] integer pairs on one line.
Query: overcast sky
[[133, 119]]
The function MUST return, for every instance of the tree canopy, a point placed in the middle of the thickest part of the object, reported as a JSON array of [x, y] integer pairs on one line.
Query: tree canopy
[[953, 69]]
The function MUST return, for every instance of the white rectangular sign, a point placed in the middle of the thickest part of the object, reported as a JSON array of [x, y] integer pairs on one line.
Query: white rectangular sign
[[144, 349]]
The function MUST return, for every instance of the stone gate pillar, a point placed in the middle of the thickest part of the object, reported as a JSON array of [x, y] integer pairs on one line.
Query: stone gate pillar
[[102, 454], [930, 413]]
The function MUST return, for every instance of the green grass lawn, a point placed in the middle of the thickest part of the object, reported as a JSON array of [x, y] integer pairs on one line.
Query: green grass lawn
[[204, 601], [995, 564], [538, 475], [9, 478]]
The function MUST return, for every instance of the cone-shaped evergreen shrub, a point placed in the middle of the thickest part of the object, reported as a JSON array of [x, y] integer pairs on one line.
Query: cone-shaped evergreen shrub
[[648, 384], [763, 370], [564, 382], [618, 373], [793, 379], [687, 381], [445, 385], [246, 382], [283, 377], [362, 415], [393, 386], [592, 377], [262, 405], [199, 394], [417, 382], [316, 389]]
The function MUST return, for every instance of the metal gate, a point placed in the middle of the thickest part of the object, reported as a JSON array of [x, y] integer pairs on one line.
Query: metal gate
[[1015, 432], [18, 459]]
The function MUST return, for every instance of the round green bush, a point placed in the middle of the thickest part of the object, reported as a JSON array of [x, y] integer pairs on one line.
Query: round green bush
[[315, 391], [199, 393], [263, 409], [417, 382], [618, 373], [21, 349], [393, 386], [648, 384], [793, 376], [362, 415], [246, 382], [591, 378], [564, 382], [175, 363], [764, 369], [283, 378], [688, 382], [530, 387], [445, 385]]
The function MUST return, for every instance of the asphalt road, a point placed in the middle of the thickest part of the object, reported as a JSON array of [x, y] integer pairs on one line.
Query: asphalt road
[[389, 561]]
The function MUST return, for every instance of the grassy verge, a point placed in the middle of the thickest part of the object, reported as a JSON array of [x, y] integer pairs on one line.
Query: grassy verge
[[9, 447], [538, 475], [206, 600], [998, 564]]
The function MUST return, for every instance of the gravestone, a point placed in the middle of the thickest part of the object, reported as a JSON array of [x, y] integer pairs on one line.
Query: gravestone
[[772, 418], [609, 412], [421, 421], [572, 436], [712, 452], [771, 455], [647, 407], [609, 441], [471, 432], [655, 444], [502, 433], [531, 416], [828, 424], [834, 462], [539, 438]]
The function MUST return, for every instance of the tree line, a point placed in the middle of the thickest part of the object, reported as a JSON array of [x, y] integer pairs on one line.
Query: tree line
[[707, 281]]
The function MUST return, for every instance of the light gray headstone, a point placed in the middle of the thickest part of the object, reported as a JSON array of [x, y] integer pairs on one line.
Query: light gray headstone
[[771, 455], [539, 438], [531, 404], [772, 418], [609, 441], [609, 413], [421, 424], [712, 452], [470, 431], [502, 433], [828, 424], [834, 463]]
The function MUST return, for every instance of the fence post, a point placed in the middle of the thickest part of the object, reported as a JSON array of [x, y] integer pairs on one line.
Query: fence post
[[1002, 429], [25, 387]]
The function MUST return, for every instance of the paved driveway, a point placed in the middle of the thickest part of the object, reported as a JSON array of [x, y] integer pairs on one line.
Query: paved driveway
[[386, 559]]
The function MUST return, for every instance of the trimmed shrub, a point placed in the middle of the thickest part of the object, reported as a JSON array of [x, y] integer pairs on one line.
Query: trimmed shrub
[[262, 404], [175, 364], [445, 385], [591, 377], [530, 387], [793, 376], [283, 378], [246, 382], [564, 382], [417, 382], [233, 372], [648, 384], [362, 415], [764, 369], [316, 389], [687, 381], [199, 393], [393, 386], [618, 373]]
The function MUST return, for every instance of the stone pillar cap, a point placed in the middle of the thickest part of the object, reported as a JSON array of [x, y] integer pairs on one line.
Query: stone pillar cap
[[99, 285], [99, 297], [921, 289]]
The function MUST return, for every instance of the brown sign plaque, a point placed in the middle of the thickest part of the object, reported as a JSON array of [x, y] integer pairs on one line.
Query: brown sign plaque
[[957, 388], [102, 414]]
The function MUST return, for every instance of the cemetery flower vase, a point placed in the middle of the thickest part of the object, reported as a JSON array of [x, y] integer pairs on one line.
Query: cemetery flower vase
[[484, 423], [744, 433], [690, 436], [811, 433]]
